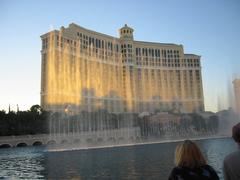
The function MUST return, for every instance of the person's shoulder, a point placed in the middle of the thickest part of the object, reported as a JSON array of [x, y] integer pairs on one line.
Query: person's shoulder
[[232, 156], [208, 167], [177, 170], [210, 171]]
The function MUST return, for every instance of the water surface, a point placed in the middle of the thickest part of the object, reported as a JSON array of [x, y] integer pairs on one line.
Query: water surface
[[152, 161]]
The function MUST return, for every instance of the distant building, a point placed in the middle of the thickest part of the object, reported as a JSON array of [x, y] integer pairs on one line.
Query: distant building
[[87, 70], [236, 86]]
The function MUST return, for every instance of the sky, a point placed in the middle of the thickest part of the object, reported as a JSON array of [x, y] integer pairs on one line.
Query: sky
[[207, 28]]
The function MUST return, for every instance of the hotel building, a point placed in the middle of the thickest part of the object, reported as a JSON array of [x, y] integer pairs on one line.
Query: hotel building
[[83, 70]]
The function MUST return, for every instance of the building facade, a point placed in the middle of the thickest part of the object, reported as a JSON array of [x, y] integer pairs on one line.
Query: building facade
[[83, 70], [236, 87]]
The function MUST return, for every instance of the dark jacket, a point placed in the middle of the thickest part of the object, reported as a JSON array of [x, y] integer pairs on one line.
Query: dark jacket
[[205, 172], [231, 166]]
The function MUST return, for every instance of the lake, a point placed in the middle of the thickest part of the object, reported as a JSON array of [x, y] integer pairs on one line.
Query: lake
[[150, 161]]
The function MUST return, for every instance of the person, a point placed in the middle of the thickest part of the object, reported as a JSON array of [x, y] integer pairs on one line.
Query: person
[[231, 163], [191, 164]]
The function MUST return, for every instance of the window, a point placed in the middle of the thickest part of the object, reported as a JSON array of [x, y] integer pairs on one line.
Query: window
[[102, 44]]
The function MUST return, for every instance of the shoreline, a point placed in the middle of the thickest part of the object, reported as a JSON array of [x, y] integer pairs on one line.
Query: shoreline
[[135, 144]]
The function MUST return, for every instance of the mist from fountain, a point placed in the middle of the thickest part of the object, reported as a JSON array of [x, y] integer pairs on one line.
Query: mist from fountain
[[80, 91], [91, 109]]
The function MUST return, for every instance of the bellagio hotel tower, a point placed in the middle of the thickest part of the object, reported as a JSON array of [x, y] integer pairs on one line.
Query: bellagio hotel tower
[[83, 70]]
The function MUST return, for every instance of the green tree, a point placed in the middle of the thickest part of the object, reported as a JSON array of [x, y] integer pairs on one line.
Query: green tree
[[36, 109]]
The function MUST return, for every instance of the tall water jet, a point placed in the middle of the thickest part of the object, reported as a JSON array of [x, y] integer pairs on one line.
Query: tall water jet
[[99, 87]]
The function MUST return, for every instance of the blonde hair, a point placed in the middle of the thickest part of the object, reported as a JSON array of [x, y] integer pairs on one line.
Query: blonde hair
[[188, 154]]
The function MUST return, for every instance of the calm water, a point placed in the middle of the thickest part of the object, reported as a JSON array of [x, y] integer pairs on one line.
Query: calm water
[[153, 161]]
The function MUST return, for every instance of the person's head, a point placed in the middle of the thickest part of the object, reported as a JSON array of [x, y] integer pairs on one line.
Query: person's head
[[236, 133], [188, 154]]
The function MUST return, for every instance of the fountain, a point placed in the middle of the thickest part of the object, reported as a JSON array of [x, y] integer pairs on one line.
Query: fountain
[[90, 108], [92, 130]]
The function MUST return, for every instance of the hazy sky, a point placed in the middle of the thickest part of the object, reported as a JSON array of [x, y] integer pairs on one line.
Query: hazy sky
[[210, 28]]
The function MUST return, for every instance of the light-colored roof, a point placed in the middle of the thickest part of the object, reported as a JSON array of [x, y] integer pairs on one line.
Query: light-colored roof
[[192, 55]]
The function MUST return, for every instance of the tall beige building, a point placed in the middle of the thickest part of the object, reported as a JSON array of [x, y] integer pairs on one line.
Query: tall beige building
[[236, 86], [87, 70]]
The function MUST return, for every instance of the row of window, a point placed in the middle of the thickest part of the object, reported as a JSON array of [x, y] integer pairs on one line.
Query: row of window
[[191, 62], [126, 48], [126, 31], [164, 62], [98, 43], [45, 43], [144, 56], [157, 52]]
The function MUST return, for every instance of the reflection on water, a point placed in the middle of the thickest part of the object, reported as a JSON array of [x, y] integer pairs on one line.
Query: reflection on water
[[25, 163], [216, 150], [153, 161]]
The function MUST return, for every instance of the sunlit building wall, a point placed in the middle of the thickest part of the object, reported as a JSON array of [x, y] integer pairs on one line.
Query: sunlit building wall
[[83, 70]]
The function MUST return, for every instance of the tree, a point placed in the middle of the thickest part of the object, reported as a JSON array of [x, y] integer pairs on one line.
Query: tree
[[36, 109]]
